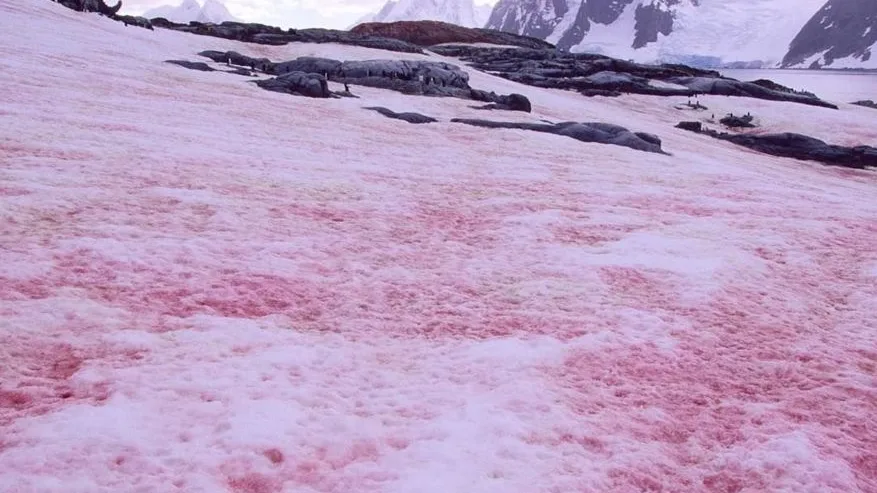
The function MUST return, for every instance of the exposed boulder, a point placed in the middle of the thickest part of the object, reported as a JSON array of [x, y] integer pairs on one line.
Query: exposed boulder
[[690, 126], [733, 121], [93, 6], [603, 133], [867, 103], [310, 85], [512, 102], [130, 20], [415, 118], [201, 66], [428, 33], [798, 146]]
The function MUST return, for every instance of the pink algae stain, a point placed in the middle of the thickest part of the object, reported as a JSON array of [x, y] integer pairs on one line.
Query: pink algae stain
[[274, 455], [31, 289], [226, 293], [641, 287], [591, 235], [11, 191], [253, 483], [15, 399]]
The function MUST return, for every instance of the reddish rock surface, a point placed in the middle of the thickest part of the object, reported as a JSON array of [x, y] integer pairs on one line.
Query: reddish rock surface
[[428, 33]]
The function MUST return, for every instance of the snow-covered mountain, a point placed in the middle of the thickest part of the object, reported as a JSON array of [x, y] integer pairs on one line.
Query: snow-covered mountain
[[700, 32], [461, 12], [212, 11], [843, 33]]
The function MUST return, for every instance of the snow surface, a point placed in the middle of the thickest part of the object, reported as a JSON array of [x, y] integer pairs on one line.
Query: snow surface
[[207, 287]]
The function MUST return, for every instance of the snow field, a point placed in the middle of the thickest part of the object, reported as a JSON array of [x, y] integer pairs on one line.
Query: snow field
[[207, 287]]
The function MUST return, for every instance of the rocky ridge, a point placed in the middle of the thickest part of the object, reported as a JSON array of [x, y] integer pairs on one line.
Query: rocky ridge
[[796, 146], [428, 33], [598, 75]]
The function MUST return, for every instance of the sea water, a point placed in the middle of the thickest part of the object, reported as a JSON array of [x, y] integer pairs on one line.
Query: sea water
[[838, 86]]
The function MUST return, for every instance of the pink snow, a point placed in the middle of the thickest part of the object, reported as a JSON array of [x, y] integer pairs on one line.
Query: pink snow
[[206, 287]]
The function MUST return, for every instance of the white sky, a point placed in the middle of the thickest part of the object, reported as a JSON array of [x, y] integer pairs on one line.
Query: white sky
[[338, 14]]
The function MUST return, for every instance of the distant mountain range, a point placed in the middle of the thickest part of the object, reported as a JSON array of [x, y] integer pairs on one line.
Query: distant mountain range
[[706, 33], [212, 11], [460, 12]]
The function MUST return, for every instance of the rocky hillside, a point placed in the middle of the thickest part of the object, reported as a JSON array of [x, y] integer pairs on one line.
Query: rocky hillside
[[842, 34]]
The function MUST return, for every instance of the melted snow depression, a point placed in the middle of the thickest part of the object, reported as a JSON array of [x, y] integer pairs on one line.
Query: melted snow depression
[[209, 287]]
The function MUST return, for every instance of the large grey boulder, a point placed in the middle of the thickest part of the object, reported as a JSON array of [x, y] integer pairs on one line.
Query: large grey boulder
[[310, 85]]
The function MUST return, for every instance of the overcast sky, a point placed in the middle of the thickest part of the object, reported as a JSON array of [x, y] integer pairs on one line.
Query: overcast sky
[[338, 14]]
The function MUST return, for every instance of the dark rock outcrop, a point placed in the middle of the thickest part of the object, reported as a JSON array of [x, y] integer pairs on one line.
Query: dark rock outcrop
[[428, 33], [262, 34], [690, 126], [867, 103], [597, 75], [603, 133], [840, 29], [201, 66], [310, 85], [734, 121], [773, 86], [512, 102], [414, 77], [131, 20], [650, 20], [235, 58], [415, 118], [799, 146], [100, 7], [732, 87], [92, 6]]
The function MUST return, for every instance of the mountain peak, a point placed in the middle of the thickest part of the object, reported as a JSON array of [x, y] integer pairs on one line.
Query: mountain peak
[[460, 12], [842, 33], [699, 32], [213, 11]]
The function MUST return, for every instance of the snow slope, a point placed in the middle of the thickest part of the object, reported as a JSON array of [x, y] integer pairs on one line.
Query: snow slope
[[304, 296], [461, 12], [213, 11]]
